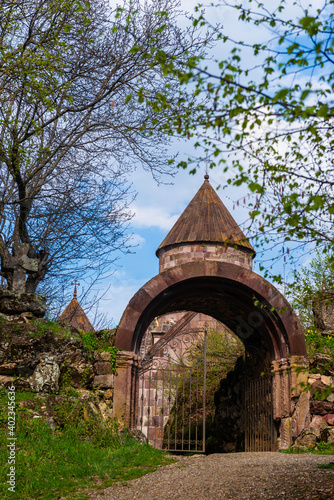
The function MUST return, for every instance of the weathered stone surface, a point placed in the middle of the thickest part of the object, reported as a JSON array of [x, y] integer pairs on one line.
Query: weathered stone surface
[[317, 387], [301, 414], [5, 380], [323, 311], [307, 439], [321, 407], [325, 379], [104, 381], [137, 435], [327, 435], [17, 303], [330, 398], [330, 439], [46, 375], [8, 368], [105, 356], [285, 439], [317, 425], [76, 370], [21, 354], [299, 366], [329, 419], [94, 408], [320, 364], [103, 368], [216, 278], [105, 410], [108, 394]]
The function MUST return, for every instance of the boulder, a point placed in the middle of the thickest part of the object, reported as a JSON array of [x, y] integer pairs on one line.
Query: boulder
[[329, 419], [105, 356], [321, 407], [17, 303], [317, 425], [330, 439], [103, 381], [307, 439], [327, 435], [301, 414], [317, 387], [46, 375], [325, 379], [108, 394], [103, 367], [136, 434]]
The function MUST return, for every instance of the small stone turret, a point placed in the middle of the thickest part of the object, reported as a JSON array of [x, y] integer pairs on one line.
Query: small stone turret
[[205, 231], [75, 315]]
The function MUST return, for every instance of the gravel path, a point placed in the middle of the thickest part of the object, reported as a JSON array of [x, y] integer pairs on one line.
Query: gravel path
[[251, 476]]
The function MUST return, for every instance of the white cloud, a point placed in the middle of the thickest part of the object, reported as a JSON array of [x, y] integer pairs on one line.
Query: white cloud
[[152, 216], [137, 241], [117, 298]]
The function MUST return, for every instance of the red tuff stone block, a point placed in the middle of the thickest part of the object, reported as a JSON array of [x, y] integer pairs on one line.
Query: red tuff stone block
[[329, 418]]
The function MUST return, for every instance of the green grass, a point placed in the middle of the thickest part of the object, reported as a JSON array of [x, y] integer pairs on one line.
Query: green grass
[[321, 449], [327, 466], [317, 343], [66, 462]]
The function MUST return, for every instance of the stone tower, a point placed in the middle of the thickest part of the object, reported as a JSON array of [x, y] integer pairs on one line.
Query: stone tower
[[205, 231]]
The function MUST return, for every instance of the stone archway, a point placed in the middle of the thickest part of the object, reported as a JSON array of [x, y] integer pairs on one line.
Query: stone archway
[[248, 304]]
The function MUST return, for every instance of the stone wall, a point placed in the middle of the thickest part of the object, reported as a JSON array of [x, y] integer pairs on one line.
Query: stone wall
[[170, 257], [35, 358], [321, 424]]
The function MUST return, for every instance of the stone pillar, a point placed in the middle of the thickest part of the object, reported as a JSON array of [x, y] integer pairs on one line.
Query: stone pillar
[[285, 388], [276, 389], [281, 388], [125, 388], [300, 397], [290, 399]]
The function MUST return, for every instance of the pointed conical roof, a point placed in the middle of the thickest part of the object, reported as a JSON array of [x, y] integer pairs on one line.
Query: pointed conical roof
[[75, 315], [206, 219]]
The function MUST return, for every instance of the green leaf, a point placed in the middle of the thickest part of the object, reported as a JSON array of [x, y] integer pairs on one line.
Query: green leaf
[[255, 187]]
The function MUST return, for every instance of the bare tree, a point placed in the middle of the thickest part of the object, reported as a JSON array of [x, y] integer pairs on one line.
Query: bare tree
[[81, 89]]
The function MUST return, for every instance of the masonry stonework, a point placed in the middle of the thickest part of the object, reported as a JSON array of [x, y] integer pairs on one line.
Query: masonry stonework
[[178, 255], [205, 266]]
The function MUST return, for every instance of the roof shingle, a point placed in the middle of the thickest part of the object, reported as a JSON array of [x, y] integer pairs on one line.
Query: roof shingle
[[206, 219]]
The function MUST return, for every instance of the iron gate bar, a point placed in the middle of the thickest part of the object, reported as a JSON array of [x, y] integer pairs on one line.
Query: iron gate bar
[[189, 422], [259, 425], [204, 386], [166, 398]]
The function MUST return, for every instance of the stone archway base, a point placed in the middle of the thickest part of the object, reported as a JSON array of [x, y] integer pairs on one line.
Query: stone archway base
[[290, 398]]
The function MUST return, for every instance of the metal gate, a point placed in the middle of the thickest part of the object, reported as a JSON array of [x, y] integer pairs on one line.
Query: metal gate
[[171, 402], [260, 431]]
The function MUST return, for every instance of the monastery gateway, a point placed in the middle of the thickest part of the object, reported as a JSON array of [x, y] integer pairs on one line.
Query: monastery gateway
[[205, 270]]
